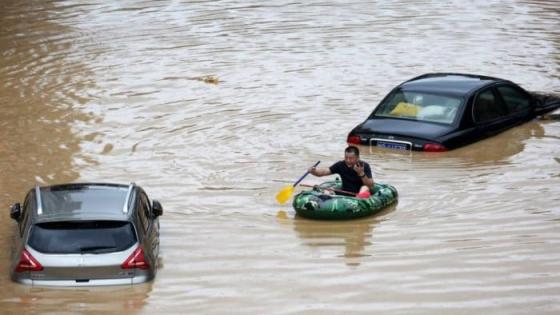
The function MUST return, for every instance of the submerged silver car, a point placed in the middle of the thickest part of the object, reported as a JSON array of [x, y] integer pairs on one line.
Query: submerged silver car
[[86, 234]]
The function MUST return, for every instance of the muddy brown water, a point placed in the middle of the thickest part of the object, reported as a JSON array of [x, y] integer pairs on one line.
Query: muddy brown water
[[212, 106]]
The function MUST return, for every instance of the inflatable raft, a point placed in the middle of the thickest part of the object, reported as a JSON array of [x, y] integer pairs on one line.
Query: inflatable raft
[[316, 204]]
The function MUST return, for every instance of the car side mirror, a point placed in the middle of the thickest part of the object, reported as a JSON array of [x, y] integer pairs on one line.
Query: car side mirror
[[157, 209], [15, 211]]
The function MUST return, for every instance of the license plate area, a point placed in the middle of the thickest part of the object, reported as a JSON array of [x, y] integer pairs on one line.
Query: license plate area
[[391, 144]]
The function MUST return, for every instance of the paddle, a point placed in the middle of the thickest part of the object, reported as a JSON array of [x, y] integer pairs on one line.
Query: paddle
[[288, 191], [333, 189]]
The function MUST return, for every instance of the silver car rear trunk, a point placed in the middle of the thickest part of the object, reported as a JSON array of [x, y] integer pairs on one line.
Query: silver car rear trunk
[[82, 268]]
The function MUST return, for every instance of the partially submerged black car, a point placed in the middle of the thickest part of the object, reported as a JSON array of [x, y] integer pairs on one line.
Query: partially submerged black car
[[442, 111]]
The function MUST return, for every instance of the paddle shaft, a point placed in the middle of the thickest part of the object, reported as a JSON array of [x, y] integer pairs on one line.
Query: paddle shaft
[[304, 175], [333, 189]]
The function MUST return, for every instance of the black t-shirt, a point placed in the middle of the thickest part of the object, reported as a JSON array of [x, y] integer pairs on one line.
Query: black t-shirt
[[351, 181]]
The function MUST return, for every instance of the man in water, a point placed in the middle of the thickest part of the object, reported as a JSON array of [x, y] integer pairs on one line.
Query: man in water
[[355, 174]]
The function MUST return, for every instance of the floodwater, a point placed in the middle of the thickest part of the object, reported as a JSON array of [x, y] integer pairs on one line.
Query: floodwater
[[214, 106]]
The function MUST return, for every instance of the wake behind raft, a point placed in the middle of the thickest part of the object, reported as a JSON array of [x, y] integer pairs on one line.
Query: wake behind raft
[[316, 204]]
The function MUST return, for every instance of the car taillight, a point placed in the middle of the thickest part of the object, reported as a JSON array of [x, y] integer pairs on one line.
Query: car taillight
[[434, 147], [136, 260], [27, 262], [354, 139]]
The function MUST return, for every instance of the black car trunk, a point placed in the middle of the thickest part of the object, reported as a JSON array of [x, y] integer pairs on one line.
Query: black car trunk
[[379, 127]]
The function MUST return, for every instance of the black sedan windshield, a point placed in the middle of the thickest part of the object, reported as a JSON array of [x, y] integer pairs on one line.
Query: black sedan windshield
[[420, 106]]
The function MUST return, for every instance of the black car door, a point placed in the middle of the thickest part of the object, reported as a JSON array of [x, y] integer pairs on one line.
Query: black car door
[[490, 116], [516, 101]]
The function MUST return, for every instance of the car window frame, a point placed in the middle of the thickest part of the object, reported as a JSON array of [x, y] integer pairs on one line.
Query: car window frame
[[498, 102], [28, 207], [518, 89], [143, 211]]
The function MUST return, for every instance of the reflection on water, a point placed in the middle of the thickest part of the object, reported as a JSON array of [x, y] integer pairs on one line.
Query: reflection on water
[[212, 106], [353, 236], [503, 148], [76, 300]]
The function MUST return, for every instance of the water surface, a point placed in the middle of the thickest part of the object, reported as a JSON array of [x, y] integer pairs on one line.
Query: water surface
[[213, 106]]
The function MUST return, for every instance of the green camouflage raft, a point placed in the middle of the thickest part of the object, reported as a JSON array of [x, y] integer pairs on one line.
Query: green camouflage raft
[[315, 204]]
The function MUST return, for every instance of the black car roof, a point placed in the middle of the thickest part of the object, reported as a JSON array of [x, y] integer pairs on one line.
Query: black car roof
[[83, 201], [458, 84]]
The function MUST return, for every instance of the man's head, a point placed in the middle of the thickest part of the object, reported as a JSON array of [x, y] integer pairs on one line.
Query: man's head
[[351, 155]]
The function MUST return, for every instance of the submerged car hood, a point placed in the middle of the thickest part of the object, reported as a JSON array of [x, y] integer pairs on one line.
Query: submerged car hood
[[403, 128]]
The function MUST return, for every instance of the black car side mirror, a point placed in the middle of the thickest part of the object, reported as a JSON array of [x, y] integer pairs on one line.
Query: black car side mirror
[[157, 209], [15, 211]]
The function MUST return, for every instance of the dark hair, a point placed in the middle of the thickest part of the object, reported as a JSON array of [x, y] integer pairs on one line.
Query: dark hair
[[352, 149]]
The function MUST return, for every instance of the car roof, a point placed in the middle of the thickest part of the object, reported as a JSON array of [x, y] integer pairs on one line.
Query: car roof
[[457, 84], [83, 201]]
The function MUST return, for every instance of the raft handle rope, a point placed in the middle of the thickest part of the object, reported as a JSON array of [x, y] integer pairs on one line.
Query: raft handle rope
[[332, 189]]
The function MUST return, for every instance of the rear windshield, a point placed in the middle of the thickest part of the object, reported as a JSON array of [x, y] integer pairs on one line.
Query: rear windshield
[[77, 237], [420, 106]]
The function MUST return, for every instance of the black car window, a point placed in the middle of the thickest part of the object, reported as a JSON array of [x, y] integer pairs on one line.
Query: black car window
[[514, 99], [486, 107], [28, 206], [75, 237], [144, 211], [420, 106]]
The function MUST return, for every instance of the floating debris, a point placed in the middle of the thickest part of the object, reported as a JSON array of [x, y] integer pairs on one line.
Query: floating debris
[[210, 79], [107, 148]]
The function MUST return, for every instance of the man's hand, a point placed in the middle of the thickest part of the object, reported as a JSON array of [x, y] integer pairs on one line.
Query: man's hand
[[312, 171], [359, 169]]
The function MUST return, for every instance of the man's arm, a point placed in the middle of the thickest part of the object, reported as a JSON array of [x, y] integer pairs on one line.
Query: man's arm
[[320, 171], [367, 181]]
